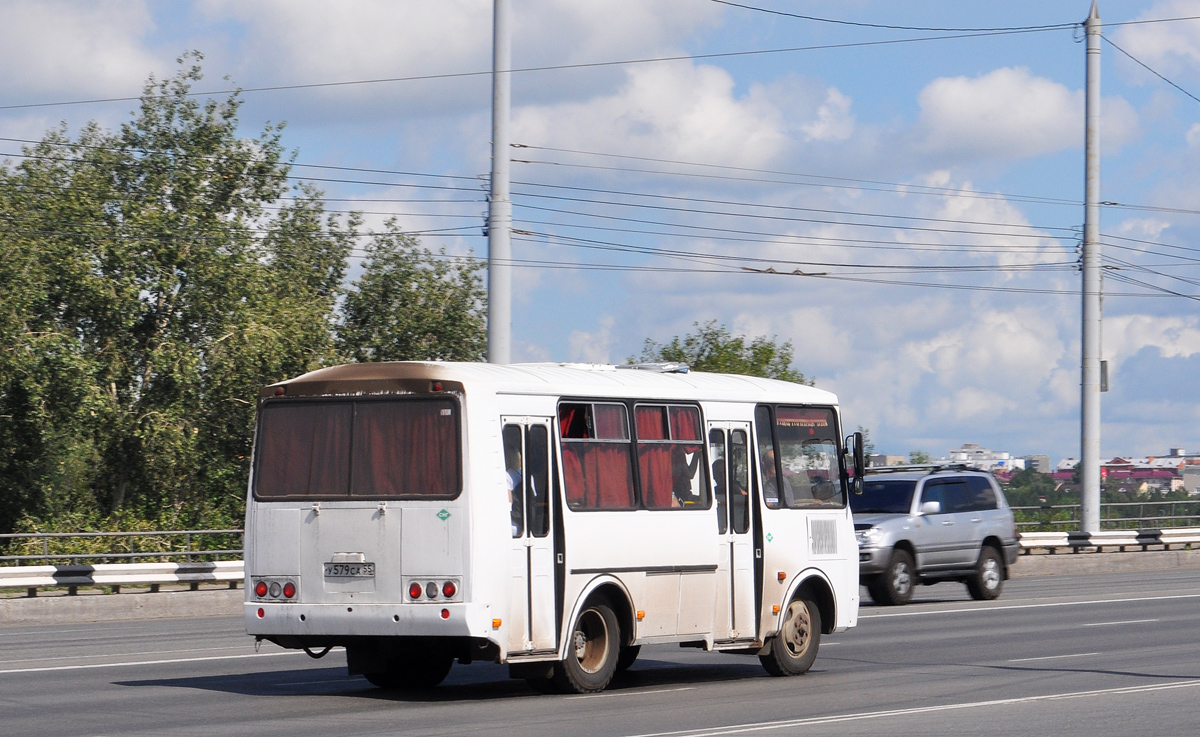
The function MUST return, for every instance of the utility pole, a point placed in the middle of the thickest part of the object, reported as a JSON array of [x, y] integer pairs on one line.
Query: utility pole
[[1089, 466], [499, 328]]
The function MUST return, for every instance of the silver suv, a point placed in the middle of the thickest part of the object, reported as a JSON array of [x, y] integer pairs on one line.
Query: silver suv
[[928, 524]]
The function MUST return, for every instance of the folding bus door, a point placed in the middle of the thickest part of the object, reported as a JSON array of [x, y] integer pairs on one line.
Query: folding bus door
[[729, 450], [532, 615]]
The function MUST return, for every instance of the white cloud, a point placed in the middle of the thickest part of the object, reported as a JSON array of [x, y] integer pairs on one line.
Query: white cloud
[[834, 120], [593, 347], [676, 111], [1193, 135], [1174, 337], [292, 41], [1168, 48], [50, 48], [1008, 113]]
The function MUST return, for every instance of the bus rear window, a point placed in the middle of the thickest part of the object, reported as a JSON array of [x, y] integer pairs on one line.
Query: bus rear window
[[395, 448]]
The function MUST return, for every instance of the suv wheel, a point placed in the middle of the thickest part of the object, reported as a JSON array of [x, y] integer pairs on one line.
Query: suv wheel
[[988, 578], [895, 585]]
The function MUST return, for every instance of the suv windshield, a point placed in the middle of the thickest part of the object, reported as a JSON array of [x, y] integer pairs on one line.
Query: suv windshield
[[884, 497]]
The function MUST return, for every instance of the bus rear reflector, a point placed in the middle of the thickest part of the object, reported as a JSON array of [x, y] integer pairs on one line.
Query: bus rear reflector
[[445, 614], [261, 613]]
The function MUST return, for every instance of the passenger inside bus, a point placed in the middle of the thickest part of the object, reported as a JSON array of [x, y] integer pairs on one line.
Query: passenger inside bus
[[513, 476]]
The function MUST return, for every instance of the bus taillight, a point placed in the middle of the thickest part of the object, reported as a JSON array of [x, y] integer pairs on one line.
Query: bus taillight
[[431, 590], [289, 590], [449, 589], [414, 591], [260, 589]]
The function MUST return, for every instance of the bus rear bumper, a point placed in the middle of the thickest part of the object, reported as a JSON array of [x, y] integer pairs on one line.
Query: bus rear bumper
[[371, 620]]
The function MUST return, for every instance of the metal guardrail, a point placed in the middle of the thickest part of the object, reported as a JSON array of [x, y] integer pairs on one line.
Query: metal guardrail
[[1119, 539], [116, 575], [1113, 515], [129, 551]]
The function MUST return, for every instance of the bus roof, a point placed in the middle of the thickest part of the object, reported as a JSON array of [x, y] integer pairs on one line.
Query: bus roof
[[562, 379]]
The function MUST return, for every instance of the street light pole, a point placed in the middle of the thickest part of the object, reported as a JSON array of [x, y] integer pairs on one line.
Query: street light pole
[[499, 327], [1089, 465]]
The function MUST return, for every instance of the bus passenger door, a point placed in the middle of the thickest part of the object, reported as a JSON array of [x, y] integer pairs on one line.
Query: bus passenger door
[[527, 467], [730, 455]]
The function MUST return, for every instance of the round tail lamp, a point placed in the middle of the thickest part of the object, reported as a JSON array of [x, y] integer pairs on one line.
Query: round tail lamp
[[260, 589], [414, 591], [449, 589]]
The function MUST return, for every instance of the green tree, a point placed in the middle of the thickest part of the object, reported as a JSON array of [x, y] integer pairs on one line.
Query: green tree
[[1029, 488], [411, 304], [919, 458], [153, 278], [711, 347]]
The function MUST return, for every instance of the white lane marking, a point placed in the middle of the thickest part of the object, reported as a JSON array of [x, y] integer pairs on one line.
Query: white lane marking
[[1026, 606], [148, 662], [891, 713], [1127, 621], [148, 652], [631, 693], [1051, 657]]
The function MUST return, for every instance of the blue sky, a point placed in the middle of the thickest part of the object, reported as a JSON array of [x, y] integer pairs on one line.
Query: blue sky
[[953, 163]]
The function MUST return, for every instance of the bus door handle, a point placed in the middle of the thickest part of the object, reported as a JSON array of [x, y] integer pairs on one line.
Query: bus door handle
[[560, 559], [758, 552]]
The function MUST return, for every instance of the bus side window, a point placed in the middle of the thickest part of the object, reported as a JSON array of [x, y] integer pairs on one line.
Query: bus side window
[[514, 478], [537, 479], [739, 481], [716, 451]]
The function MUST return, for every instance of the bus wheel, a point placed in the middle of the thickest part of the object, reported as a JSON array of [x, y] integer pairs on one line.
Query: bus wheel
[[794, 648], [627, 656], [591, 653], [422, 672]]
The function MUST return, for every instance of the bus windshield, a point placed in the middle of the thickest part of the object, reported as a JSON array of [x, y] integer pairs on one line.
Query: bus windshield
[[884, 497], [372, 448]]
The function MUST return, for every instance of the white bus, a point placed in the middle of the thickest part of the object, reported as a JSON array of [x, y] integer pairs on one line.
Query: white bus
[[554, 517]]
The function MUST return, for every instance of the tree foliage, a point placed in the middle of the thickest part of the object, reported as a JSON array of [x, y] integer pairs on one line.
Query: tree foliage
[[152, 279], [413, 303], [711, 347]]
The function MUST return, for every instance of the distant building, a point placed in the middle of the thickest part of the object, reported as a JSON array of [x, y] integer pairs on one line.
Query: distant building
[[879, 459], [1191, 480], [1067, 464], [1039, 463], [971, 454]]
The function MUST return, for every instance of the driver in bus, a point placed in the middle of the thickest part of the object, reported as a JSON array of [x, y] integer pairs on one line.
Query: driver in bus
[[770, 487]]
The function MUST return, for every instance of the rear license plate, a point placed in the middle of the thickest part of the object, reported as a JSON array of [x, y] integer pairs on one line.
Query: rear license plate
[[349, 570]]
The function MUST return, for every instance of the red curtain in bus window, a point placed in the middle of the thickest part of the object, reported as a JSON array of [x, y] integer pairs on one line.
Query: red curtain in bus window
[[610, 422], [611, 475], [303, 449], [651, 423], [654, 462], [405, 448], [576, 490], [685, 423]]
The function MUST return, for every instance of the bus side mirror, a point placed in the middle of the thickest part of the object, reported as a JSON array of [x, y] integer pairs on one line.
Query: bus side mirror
[[860, 462]]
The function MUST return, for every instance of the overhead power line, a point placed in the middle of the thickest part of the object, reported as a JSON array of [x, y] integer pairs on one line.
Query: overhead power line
[[1050, 27], [519, 70], [1145, 66]]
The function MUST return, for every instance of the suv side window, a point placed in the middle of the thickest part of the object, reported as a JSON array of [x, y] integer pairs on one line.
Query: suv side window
[[983, 496], [953, 495]]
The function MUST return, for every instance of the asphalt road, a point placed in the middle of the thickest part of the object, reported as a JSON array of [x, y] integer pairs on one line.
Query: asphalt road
[[1065, 656]]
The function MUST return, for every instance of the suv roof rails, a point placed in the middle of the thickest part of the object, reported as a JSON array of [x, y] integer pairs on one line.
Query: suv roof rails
[[930, 467]]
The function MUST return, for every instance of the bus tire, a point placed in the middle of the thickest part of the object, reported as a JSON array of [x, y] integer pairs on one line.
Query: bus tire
[[627, 656], [592, 651], [423, 672], [794, 647]]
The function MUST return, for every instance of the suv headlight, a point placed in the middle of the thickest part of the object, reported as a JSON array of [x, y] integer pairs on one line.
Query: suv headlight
[[868, 537]]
